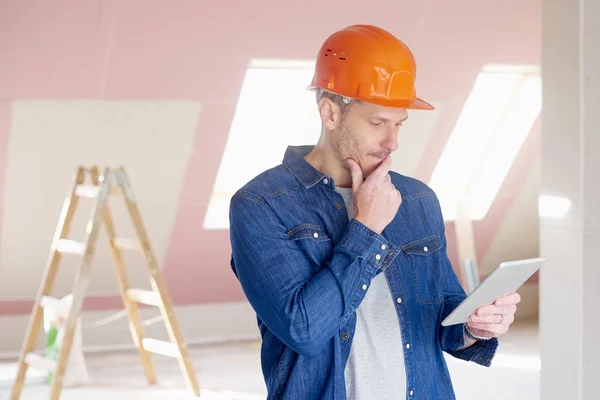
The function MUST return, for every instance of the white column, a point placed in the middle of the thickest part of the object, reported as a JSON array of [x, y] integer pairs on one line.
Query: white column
[[570, 280]]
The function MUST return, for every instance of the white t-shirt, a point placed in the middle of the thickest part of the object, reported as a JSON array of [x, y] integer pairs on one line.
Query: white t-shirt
[[375, 368]]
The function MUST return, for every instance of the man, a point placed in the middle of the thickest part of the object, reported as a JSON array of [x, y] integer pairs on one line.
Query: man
[[343, 260]]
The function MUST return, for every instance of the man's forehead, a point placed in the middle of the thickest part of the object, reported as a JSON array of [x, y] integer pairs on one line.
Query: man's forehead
[[378, 111]]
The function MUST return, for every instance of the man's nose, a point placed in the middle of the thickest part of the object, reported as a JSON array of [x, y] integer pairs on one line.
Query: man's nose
[[391, 139]]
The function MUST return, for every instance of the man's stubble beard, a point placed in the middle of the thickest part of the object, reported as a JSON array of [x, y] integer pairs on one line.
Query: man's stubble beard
[[346, 146]]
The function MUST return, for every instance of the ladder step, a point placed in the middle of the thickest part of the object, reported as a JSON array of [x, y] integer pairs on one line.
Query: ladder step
[[70, 247], [59, 307], [127, 244], [39, 362], [91, 191], [51, 302], [160, 347], [87, 191], [148, 297]]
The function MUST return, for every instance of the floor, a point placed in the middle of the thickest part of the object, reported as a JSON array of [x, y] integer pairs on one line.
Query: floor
[[232, 371]]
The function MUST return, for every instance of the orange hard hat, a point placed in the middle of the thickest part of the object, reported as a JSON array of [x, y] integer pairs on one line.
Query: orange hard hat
[[367, 63]]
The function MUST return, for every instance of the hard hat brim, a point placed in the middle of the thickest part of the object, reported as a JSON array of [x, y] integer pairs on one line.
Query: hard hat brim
[[420, 104], [416, 104]]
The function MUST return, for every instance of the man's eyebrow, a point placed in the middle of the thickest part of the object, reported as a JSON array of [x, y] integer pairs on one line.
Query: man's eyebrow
[[383, 119]]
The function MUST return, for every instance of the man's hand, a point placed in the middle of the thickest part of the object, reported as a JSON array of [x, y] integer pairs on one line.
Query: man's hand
[[376, 200], [493, 320]]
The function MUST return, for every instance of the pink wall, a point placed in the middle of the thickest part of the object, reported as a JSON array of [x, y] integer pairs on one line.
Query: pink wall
[[138, 49], [5, 121]]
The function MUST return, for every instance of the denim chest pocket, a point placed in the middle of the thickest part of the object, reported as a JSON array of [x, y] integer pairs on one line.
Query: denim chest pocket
[[425, 260], [315, 243]]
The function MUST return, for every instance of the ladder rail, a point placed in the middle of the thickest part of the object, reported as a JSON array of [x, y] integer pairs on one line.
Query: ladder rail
[[80, 285], [158, 283], [135, 321], [35, 320]]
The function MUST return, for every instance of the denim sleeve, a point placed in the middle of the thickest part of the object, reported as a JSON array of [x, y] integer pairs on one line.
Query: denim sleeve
[[303, 305], [453, 337]]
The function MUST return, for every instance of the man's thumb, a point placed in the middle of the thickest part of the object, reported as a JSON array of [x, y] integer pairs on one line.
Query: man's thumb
[[356, 173]]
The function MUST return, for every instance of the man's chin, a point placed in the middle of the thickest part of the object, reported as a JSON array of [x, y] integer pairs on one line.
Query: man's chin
[[367, 164], [368, 169]]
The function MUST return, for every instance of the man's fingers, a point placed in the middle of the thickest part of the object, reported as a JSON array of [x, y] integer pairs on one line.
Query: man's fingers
[[488, 310], [493, 319], [493, 309], [513, 298], [356, 173], [504, 305], [383, 169], [511, 309], [486, 319]]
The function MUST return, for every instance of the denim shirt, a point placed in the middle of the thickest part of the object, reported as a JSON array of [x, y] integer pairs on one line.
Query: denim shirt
[[305, 268]]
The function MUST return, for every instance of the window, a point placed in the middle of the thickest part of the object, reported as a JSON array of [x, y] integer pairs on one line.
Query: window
[[553, 206], [495, 120], [274, 110]]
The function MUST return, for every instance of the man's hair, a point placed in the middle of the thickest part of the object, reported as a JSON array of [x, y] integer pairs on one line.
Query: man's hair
[[337, 99]]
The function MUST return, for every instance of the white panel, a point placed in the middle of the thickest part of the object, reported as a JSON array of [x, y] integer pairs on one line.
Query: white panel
[[49, 139]]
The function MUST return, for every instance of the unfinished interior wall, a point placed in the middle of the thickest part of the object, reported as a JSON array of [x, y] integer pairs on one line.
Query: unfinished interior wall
[[154, 86]]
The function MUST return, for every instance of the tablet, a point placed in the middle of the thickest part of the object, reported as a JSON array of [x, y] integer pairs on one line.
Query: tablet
[[504, 280]]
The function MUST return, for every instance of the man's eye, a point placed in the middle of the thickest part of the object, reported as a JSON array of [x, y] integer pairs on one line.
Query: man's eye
[[376, 123]]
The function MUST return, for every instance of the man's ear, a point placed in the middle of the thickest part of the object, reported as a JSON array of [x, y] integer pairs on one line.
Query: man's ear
[[330, 113]]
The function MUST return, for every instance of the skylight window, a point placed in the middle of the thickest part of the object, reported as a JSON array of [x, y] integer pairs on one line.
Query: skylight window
[[495, 121], [274, 111]]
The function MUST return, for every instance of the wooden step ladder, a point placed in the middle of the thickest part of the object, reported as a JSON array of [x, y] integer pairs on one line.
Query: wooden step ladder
[[100, 187]]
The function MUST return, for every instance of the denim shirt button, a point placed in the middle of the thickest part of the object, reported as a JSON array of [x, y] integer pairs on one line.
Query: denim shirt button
[[411, 393], [346, 336], [326, 181]]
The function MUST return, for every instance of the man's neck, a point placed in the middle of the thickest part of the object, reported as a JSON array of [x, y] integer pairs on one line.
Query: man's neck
[[324, 160]]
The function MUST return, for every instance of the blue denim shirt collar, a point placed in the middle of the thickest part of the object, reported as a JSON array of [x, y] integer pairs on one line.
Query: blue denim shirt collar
[[302, 170]]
